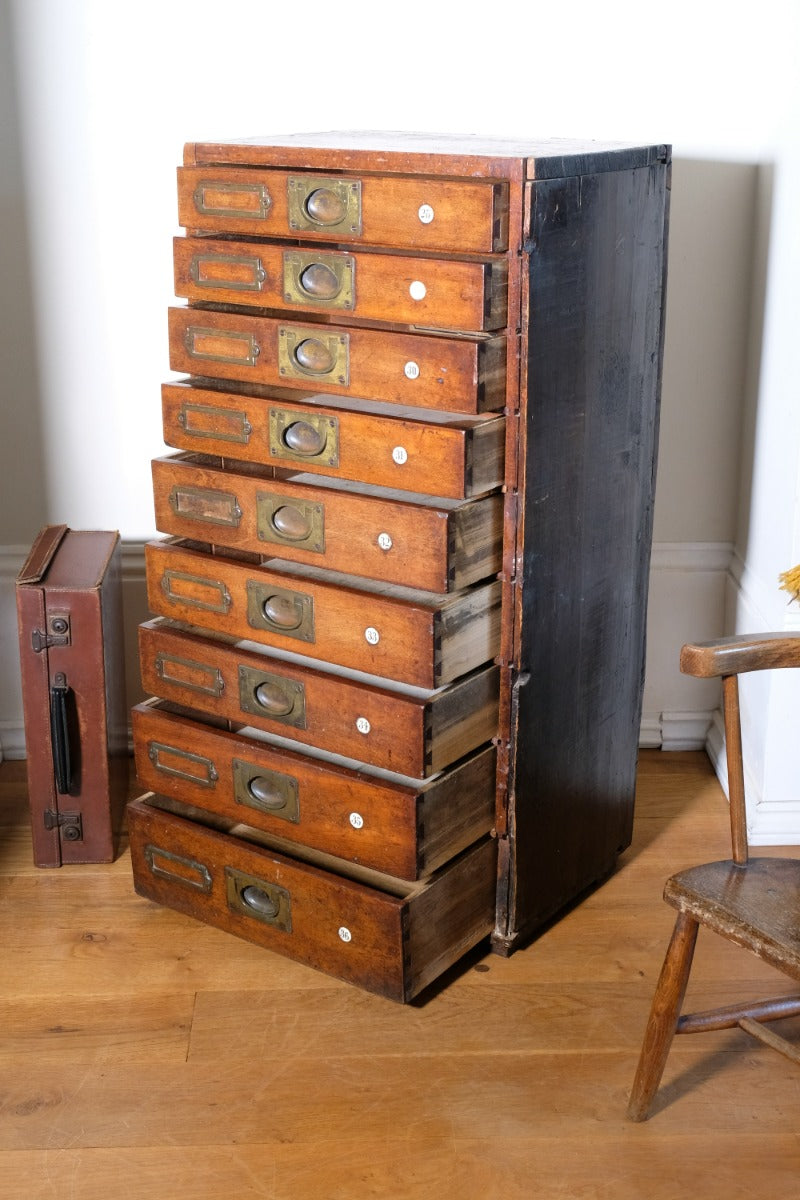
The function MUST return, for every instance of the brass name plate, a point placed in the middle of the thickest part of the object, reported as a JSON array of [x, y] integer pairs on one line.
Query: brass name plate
[[177, 869], [234, 272], [221, 345], [208, 421], [247, 201], [208, 595], [205, 504], [182, 764], [186, 673]]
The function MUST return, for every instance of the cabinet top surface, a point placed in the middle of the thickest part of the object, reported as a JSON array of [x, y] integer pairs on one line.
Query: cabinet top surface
[[439, 154]]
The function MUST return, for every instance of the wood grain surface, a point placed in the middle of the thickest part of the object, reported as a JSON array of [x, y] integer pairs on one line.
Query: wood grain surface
[[143, 1053]]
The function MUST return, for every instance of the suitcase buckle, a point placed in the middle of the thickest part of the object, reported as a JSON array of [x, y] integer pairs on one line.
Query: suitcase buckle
[[57, 632], [70, 824]]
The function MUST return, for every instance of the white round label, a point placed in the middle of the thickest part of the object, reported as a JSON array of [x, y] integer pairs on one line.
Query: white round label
[[385, 541], [418, 290], [411, 370], [356, 820], [400, 455], [372, 635], [363, 725], [345, 934], [425, 214]]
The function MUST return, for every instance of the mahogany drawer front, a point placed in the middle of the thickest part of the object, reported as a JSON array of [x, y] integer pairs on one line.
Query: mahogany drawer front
[[384, 822], [410, 731], [422, 371], [418, 638], [435, 545], [433, 293], [386, 936], [418, 213], [454, 457]]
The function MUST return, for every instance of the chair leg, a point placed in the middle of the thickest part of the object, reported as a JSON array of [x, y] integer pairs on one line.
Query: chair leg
[[664, 1014]]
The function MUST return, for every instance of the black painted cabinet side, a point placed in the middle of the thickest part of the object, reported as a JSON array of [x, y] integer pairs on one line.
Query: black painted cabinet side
[[597, 268]]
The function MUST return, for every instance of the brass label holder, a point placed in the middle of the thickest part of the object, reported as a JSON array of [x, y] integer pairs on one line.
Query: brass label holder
[[164, 864], [253, 278], [208, 421], [218, 597], [206, 774], [205, 504], [254, 200]]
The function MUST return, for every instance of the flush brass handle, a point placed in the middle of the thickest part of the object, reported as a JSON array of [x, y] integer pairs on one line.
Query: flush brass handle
[[304, 439], [314, 356], [259, 898], [303, 352], [283, 611], [326, 207], [320, 282], [274, 699], [324, 203], [267, 791]]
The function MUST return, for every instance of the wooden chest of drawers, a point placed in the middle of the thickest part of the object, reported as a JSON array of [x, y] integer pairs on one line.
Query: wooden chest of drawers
[[400, 612]]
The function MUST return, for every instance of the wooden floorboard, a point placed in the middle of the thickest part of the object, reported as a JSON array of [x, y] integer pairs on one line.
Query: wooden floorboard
[[143, 1054]]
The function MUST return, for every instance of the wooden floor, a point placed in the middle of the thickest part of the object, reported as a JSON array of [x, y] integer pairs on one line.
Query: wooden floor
[[143, 1055]]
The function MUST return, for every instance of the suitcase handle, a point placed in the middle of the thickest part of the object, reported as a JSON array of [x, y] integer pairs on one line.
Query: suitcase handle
[[59, 733]]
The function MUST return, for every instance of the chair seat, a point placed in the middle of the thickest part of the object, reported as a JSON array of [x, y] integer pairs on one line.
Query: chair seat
[[757, 906]]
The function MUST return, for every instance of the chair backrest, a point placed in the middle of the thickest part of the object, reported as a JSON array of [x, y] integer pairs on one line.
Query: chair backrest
[[727, 659]]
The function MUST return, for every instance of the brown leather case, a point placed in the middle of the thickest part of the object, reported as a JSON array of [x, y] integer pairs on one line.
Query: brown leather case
[[69, 609]]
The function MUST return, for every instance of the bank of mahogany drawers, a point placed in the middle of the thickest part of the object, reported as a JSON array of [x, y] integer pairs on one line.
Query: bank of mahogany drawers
[[337, 651]]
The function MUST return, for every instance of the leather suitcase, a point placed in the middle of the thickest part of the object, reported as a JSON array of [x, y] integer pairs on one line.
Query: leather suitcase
[[69, 607]]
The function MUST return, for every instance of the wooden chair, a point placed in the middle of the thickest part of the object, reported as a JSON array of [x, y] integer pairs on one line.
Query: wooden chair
[[754, 902]]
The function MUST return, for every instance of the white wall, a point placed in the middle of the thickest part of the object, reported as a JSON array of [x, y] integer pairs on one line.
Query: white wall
[[106, 96]]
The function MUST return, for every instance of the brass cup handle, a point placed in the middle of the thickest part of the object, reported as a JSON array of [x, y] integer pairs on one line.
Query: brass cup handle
[[285, 612], [319, 282], [314, 357], [263, 791], [325, 207], [260, 901], [273, 699], [291, 523], [303, 438]]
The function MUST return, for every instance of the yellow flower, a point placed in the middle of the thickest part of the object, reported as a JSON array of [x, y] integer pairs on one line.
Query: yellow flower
[[790, 582]]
